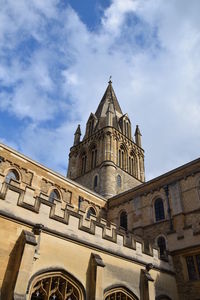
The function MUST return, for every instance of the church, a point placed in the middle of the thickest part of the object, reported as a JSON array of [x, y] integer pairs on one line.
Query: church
[[102, 232]]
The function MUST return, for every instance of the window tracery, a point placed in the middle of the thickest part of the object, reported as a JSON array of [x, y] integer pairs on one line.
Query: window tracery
[[55, 287], [119, 294]]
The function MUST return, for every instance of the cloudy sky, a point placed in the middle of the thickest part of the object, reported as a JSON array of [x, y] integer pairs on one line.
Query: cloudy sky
[[56, 58]]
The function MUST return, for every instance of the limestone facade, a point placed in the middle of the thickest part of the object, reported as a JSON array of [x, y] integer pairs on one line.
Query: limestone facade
[[102, 233], [52, 248]]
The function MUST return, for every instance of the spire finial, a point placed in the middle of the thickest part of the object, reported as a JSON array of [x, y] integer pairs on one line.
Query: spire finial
[[110, 81]]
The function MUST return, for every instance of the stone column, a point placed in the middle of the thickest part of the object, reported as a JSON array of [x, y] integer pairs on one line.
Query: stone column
[[95, 289], [25, 266]]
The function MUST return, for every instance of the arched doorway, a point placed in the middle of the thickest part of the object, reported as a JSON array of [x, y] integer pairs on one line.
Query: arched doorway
[[55, 286]]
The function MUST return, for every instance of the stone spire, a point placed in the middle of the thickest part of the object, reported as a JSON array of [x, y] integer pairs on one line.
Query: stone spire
[[138, 136], [77, 135], [108, 102]]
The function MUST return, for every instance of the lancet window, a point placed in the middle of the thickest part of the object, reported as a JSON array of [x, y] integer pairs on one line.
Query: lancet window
[[123, 220], [83, 163], [91, 211], [119, 294], [95, 181], [55, 287], [54, 195], [132, 164], [162, 246], [159, 210], [12, 174], [93, 157], [122, 157]]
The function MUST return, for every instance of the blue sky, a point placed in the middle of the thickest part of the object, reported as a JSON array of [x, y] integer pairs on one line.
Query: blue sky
[[56, 58]]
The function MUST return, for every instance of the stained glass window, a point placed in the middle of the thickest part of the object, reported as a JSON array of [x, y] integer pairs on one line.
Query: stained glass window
[[55, 288]]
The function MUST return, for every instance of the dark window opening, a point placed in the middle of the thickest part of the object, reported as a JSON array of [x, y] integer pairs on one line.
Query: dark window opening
[[193, 267], [90, 212], [54, 196], [84, 163], [123, 220], [159, 210], [95, 181], [162, 246], [12, 175]]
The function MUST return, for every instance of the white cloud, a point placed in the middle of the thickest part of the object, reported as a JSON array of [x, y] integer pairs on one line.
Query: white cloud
[[151, 48]]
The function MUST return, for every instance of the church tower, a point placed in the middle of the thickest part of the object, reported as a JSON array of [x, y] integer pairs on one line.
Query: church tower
[[107, 159]]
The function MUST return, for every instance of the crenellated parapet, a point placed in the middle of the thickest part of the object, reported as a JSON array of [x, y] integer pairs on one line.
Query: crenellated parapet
[[22, 204]]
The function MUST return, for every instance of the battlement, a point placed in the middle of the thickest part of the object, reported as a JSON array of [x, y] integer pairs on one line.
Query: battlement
[[65, 221]]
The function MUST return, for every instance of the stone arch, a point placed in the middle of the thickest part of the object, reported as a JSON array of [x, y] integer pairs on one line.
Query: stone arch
[[133, 163], [122, 156], [159, 209], [119, 290], [54, 194], [61, 284], [83, 161], [93, 155], [123, 219], [12, 173], [153, 198], [161, 242], [91, 211]]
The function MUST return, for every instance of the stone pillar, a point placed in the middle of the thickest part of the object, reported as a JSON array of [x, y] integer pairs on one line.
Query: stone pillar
[[25, 266], [145, 277], [95, 289]]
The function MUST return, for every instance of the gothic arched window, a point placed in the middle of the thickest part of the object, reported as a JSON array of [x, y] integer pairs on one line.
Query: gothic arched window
[[91, 211], [93, 157], [55, 287], [162, 245], [123, 220], [95, 181], [83, 162], [122, 157], [132, 163], [54, 195], [119, 181], [12, 174], [119, 294], [159, 209]]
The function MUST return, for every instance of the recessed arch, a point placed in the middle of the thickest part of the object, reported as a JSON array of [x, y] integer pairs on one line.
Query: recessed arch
[[12, 174], [117, 292], [91, 211], [161, 243], [56, 284], [123, 219], [159, 209], [54, 195]]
